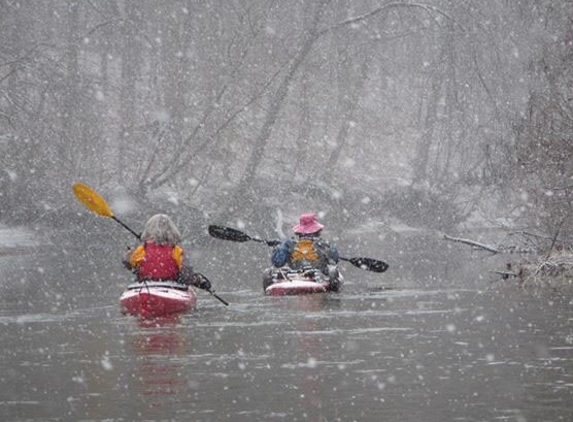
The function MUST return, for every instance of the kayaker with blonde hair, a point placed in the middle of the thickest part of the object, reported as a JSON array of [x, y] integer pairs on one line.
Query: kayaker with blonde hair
[[160, 257]]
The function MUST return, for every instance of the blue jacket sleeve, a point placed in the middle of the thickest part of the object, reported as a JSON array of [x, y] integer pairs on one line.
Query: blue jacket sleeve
[[334, 253], [281, 254]]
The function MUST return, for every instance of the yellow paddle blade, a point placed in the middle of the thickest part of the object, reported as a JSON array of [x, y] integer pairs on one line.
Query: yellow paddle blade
[[92, 200]]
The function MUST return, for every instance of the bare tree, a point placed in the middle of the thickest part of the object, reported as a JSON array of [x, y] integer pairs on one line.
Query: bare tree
[[211, 102]]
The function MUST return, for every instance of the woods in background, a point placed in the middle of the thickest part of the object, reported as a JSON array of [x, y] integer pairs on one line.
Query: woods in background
[[244, 107]]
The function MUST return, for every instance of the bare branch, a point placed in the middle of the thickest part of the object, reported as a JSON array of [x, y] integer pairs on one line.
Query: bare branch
[[472, 243], [358, 19]]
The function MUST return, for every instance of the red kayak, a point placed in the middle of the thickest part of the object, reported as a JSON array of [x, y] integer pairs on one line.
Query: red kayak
[[156, 299], [289, 282]]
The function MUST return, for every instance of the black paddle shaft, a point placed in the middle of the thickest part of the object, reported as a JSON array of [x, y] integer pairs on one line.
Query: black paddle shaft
[[126, 227]]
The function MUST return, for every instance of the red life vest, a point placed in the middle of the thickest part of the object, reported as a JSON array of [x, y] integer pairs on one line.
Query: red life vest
[[158, 263]]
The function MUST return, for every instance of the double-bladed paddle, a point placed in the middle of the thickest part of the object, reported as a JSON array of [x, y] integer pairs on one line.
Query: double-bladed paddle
[[228, 233], [95, 202]]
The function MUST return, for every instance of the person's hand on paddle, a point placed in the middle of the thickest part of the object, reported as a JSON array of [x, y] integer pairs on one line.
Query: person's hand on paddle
[[127, 257], [204, 284]]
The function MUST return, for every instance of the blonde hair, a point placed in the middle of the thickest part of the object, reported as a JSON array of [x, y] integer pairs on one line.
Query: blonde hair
[[161, 230]]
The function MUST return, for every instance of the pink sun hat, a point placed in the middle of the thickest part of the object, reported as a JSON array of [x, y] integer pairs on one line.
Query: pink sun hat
[[307, 224]]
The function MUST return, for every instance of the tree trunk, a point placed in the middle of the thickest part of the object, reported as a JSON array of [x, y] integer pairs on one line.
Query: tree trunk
[[348, 110], [130, 64], [276, 103]]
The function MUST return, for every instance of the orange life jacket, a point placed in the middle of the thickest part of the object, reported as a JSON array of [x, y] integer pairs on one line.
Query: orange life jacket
[[304, 250]]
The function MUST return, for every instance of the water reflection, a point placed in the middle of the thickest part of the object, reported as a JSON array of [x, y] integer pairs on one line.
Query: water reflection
[[159, 347], [313, 405]]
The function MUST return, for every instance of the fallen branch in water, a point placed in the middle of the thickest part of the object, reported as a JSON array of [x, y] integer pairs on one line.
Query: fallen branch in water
[[506, 274], [488, 248], [554, 269]]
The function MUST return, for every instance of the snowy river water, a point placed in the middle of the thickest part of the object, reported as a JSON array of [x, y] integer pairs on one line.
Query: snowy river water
[[427, 342]]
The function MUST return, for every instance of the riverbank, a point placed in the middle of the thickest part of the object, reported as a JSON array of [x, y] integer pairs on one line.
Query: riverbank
[[555, 270], [550, 270]]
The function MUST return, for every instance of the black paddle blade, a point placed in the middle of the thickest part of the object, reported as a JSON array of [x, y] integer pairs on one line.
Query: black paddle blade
[[369, 264], [227, 233]]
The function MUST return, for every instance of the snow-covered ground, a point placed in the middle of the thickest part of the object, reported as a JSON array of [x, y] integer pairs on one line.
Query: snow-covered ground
[[556, 270]]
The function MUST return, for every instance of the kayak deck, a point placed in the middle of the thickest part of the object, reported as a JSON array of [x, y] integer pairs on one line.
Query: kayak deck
[[156, 299], [297, 287]]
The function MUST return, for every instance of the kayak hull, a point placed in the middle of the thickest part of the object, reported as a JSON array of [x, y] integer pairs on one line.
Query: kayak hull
[[156, 299], [302, 283], [297, 287]]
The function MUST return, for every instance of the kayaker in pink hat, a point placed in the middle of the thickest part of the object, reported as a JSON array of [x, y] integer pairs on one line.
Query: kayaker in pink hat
[[307, 250]]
